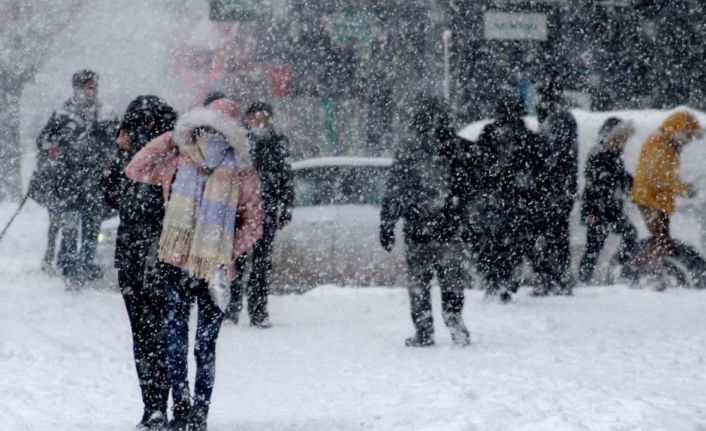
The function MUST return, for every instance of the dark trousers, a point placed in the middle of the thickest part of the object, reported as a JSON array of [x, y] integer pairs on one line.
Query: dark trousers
[[595, 239], [145, 303], [552, 255], [180, 296], [423, 260], [90, 227], [260, 276], [501, 254], [63, 228]]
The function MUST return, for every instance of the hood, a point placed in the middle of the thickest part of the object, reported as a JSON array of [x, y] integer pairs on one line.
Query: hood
[[218, 121], [679, 122], [147, 117]]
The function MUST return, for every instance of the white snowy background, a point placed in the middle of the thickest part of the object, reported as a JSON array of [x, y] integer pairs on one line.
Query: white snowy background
[[609, 358]]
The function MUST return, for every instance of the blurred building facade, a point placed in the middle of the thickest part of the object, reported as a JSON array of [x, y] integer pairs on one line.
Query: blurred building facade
[[344, 75]]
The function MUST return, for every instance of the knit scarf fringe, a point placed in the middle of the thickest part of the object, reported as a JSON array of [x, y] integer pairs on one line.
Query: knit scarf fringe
[[174, 244]]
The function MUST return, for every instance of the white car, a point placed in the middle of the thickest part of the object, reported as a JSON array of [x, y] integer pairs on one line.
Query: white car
[[334, 234]]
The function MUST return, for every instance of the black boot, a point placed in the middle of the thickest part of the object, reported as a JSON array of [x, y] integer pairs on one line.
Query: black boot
[[419, 340], [153, 421], [424, 334], [502, 294], [181, 417], [197, 422]]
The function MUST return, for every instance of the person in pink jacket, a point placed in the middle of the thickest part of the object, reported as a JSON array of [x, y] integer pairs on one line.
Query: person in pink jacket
[[213, 214]]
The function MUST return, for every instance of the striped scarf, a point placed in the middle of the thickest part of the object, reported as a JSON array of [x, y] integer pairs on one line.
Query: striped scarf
[[200, 217]]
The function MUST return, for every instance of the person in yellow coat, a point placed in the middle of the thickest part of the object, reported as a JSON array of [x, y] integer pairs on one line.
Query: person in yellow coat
[[656, 184]]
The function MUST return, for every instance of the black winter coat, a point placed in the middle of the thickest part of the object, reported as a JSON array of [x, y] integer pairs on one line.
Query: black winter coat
[[607, 183], [512, 171], [140, 206], [141, 210], [73, 149], [269, 154], [430, 189], [560, 154]]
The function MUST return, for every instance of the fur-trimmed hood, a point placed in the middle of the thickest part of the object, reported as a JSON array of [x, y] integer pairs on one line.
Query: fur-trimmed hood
[[219, 122]]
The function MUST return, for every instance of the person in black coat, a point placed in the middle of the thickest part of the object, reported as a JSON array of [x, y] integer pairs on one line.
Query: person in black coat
[[559, 130], [73, 149], [141, 210], [607, 184], [270, 153], [428, 187], [509, 203]]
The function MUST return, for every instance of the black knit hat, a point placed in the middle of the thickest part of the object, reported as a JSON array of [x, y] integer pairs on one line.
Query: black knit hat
[[147, 117], [607, 127], [83, 77], [259, 107]]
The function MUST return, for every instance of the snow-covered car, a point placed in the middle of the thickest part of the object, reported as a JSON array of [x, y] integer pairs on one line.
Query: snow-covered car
[[333, 237]]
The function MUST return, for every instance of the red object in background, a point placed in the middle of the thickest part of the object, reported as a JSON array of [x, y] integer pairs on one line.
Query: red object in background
[[280, 79]]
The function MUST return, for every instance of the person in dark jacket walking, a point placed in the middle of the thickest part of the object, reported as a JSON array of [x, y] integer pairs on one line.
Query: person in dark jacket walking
[[428, 187], [509, 202], [78, 139], [141, 210], [607, 185], [269, 151], [558, 128]]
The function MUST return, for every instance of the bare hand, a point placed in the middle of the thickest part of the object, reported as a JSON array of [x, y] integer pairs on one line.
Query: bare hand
[[591, 219], [123, 140]]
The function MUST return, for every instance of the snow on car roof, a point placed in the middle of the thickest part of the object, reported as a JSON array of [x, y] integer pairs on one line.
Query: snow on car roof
[[342, 161]]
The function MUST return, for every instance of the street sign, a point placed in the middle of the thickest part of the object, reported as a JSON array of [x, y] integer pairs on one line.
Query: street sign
[[352, 24], [240, 10], [515, 26]]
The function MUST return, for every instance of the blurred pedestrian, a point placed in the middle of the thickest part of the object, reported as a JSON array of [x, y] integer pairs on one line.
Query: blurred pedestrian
[[607, 185], [657, 185], [270, 152], [427, 188], [559, 184], [511, 167], [74, 148]]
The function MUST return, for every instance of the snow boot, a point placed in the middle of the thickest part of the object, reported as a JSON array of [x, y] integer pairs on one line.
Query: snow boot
[[423, 336], [233, 314], [178, 425], [155, 421], [459, 332], [261, 323], [92, 272], [181, 414], [197, 423], [419, 341], [501, 293], [540, 291]]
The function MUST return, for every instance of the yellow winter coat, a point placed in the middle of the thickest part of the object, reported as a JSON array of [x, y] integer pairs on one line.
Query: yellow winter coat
[[656, 183]]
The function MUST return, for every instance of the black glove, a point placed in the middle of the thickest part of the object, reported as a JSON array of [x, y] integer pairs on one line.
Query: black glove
[[387, 238], [285, 218]]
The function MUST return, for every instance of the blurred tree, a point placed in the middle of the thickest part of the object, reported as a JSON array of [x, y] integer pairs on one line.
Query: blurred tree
[[27, 39]]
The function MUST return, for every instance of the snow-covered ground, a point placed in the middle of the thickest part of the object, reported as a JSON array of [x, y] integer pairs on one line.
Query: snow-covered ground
[[610, 358]]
